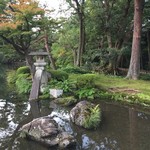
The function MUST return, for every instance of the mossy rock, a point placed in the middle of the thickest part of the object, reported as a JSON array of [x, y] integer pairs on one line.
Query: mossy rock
[[66, 101], [86, 114]]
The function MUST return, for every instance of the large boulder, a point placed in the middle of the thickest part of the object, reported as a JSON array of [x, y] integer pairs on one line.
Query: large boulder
[[86, 114], [45, 130]]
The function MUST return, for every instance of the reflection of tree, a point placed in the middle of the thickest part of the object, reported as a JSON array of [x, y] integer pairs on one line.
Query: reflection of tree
[[3, 87], [139, 130], [133, 128]]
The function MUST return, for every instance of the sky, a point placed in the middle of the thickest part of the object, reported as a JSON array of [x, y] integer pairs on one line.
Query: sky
[[55, 4], [51, 3]]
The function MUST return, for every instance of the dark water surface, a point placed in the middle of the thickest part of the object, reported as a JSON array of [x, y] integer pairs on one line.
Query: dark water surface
[[122, 127]]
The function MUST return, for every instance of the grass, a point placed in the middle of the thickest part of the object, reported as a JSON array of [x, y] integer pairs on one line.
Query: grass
[[139, 88]]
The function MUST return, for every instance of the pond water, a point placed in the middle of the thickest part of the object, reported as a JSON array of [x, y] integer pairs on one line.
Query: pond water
[[121, 128]]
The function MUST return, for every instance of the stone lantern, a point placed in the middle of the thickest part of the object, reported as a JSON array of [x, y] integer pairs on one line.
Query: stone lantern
[[40, 59], [41, 76]]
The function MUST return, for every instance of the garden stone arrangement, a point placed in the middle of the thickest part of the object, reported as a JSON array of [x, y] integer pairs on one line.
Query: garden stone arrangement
[[48, 130]]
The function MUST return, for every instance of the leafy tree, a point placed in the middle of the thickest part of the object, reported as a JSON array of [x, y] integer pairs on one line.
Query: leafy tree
[[66, 46], [79, 6], [17, 22], [47, 29], [108, 26]]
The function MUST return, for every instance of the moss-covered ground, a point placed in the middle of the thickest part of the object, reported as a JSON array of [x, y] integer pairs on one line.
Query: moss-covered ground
[[121, 89]]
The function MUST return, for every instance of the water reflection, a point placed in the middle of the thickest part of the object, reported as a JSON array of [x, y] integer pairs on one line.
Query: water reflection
[[122, 128], [10, 117]]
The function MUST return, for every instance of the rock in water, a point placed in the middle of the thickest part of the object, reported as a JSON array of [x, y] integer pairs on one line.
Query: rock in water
[[86, 114], [45, 130]]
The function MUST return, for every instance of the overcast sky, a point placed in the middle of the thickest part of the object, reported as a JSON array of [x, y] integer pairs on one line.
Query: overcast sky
[[51, 3], [54, 4]]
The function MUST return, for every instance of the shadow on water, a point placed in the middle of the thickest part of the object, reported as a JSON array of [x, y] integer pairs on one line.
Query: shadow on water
[[122, 128]]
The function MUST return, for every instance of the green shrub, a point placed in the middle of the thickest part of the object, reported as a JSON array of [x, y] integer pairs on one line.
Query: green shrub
[[11, 77], [89, 93], [23, 70], [105, 95], [93, 118], [66, 85], [1, 57], [23, 84], [59, 75], [145, 77], [86, 80], [75, 70]]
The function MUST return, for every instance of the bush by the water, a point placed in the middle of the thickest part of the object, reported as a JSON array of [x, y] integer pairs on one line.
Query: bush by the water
[[23, 70], [11, 77], [93, 118], [59, 75], [23, 84], [21, 78]]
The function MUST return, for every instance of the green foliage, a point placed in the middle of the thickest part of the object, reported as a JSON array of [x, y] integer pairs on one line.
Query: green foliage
[[93, 118], [67, 44], [104, 95], [66, 85], [59, 75], [1, 57], [118, 96], [66, 101], [75, 70], [145, 77], [86, 80], [9, 55], [23, 84], [20, 78], [11, 77], [44, 96], [89, 93], [23, 70]]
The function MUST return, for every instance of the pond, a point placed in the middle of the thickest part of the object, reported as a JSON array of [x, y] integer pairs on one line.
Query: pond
[[122, 127]]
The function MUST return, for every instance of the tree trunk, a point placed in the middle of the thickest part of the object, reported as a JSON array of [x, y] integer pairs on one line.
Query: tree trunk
[[134, 68], [29, 62], [148, 41], [74, 57], [81, 40], [79, 8], [109, 40], [48, 50]]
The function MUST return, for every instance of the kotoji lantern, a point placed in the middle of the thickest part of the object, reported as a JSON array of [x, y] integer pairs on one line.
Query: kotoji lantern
[[40, 59]]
